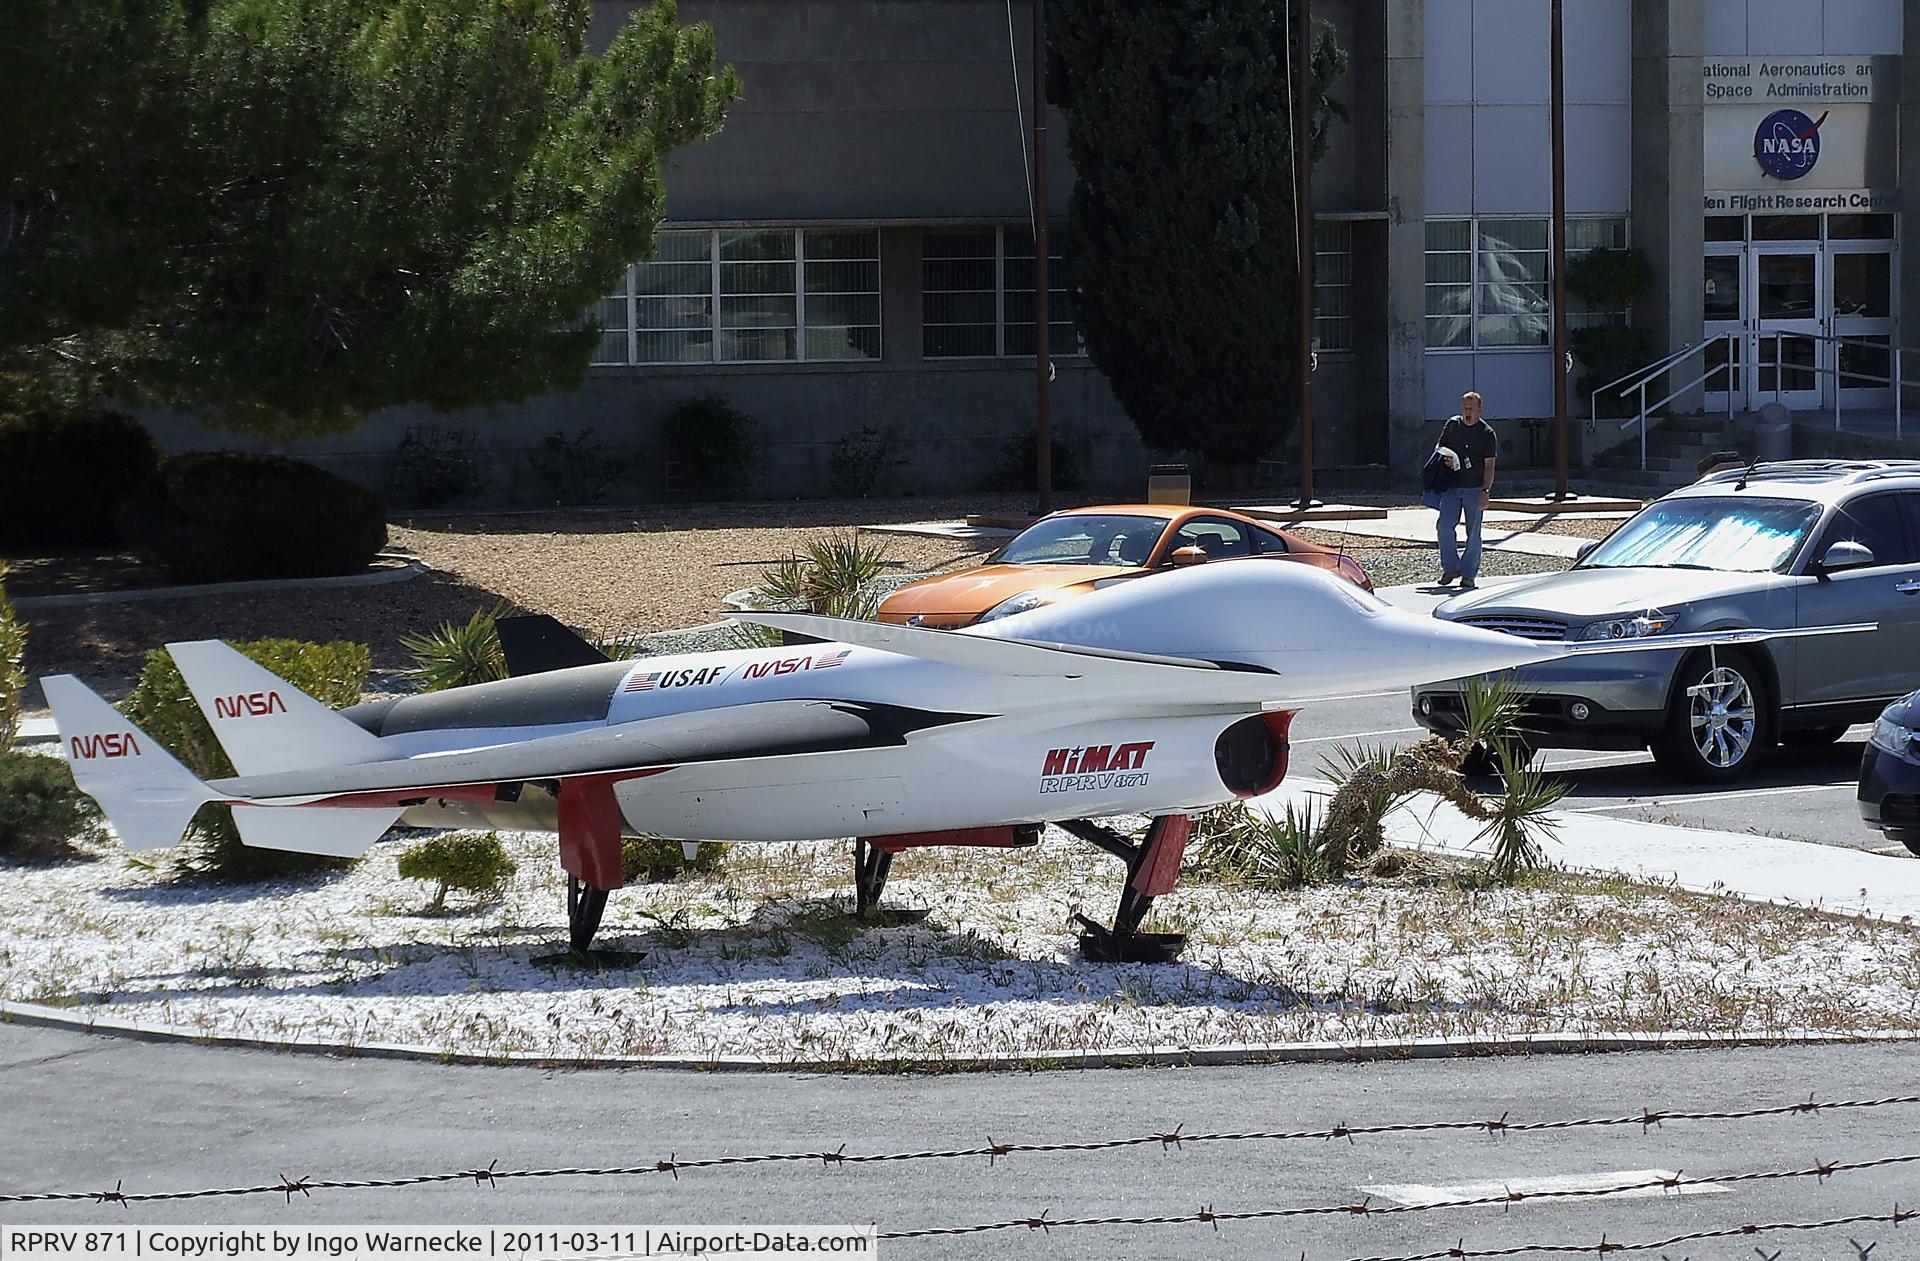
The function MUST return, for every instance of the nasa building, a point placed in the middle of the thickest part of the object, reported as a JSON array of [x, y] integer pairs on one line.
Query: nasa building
[[849, 262]]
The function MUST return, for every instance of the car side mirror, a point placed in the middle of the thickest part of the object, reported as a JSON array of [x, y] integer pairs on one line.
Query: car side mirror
[[1846, 554], [1188, 555], [1585, 548]]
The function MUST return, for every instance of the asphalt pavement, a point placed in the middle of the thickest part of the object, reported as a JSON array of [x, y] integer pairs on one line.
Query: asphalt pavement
[[1797, 794], [89, 1113]]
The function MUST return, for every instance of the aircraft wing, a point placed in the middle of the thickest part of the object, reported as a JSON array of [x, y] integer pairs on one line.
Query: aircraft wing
[[761, 729], [981, 650]]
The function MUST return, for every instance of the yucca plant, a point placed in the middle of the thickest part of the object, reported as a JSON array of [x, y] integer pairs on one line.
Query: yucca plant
[[1520, 820], [1362, 774], [13, 665], [456, 655], [1494, 711], [841, 572], [1291, 851]]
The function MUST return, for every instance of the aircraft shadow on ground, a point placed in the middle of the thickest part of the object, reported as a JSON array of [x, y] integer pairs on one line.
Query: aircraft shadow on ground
[[1782, 767], [905, 974]]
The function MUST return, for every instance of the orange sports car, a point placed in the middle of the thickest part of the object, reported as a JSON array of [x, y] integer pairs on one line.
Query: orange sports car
[[1071, 553]]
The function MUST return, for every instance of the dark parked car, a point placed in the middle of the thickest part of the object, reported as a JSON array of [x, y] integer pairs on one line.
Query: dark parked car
[[1890, 773]]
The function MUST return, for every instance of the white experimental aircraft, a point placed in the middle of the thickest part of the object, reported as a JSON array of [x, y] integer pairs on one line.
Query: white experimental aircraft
[[1159, 696]]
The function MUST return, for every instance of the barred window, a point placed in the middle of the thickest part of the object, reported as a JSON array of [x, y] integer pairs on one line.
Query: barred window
[[1488, 281], [1017, 272], [759, 303], [615, 314], [759, 295], [977, 286], [1333, 286], [960, 292], [673, 301], [840, 306]]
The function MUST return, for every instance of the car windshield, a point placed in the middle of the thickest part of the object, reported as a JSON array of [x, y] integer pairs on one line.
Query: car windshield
[[1085, 539], [1729, 535]]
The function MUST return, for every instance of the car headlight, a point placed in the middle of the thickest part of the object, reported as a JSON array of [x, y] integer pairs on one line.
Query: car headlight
[[1894, 738], [1635, 626], [1025, 602]]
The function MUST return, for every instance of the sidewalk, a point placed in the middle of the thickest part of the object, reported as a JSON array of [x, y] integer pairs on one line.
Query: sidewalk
[[1756, 868], [1501, 531]]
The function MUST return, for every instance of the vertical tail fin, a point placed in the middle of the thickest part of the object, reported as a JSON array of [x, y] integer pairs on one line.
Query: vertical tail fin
[[265, 723], [146, 794]]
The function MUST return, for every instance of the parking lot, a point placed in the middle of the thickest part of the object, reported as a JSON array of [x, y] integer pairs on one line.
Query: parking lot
[[1797, 794]]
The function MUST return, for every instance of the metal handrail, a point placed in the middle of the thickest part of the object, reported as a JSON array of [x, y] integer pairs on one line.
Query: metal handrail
[[1637, 380], [1645, 376], [1897, 380], [1651, 369]]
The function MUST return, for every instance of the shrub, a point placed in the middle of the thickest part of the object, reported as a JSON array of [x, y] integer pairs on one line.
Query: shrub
[[455, 656], [709, 446], [577, 470], [333, 673], [837, 575], [13, 665], [42, 814], [859, 461], [1240, 846], [472, 862], [434, 467], [219, 516], [64, 473], [647, 858], [1606, 353], [1014, 470]]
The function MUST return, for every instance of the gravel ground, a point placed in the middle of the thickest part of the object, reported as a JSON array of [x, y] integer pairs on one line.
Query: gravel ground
[[1393, 563], [615, 574], [761, 957]]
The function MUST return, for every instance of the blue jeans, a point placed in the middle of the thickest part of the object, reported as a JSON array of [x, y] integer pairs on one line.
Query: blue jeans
[[1453, 504]]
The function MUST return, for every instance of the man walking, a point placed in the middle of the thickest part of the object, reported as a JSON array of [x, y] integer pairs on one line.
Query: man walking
[[1471, 439]]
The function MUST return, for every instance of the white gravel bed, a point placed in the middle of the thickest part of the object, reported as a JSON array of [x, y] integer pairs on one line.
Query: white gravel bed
[[762, 958]]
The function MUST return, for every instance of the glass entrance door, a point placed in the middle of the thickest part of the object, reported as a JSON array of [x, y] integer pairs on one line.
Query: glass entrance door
[[1862, 322], [1788, 293], [1726, 319]]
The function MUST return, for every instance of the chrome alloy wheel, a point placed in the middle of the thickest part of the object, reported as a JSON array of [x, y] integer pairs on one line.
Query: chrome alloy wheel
[[1723, 717]]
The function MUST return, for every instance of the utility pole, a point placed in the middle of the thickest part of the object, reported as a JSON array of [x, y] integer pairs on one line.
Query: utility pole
[[1558, 258], [1303, 228], [1042, 331]]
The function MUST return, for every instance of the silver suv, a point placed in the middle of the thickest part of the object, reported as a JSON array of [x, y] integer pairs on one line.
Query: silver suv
[[1795, 544]]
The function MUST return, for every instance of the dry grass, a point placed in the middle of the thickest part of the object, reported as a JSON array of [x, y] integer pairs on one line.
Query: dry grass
[[761, 956]]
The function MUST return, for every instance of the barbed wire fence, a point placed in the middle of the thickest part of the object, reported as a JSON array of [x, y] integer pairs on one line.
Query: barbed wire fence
[[1178, 1139]]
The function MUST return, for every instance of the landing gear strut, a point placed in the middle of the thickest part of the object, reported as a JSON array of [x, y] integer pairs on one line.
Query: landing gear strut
[[585, 906], [871, 865], [1152, 868]]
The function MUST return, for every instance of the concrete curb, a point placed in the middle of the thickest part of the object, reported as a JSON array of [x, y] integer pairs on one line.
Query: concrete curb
[[1372, 1050], [413, 568]]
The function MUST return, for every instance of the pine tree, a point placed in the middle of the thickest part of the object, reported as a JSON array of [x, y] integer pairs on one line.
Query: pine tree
[[1182, 231], [286, 214]]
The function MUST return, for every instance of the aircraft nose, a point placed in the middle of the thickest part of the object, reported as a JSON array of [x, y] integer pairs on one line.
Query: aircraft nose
[[1457, 651]]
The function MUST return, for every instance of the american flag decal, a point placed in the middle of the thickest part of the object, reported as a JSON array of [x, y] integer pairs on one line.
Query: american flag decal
[[830, 660], [643, 682]]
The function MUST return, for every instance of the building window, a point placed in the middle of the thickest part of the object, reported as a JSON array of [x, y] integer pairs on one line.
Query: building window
[[977, 286], [1333, 286], [760, 295], [960, 287], [673, 301], [840, 299], [1488, 280]]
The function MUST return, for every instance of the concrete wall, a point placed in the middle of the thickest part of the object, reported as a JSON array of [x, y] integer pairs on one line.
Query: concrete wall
[[1487, 152], [1668, 134]]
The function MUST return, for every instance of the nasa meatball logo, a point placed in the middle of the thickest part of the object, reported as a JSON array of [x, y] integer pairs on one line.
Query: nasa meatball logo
[[1787, 143]]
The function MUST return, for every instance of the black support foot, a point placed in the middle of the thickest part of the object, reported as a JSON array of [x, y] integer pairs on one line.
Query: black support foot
[[871, 866]]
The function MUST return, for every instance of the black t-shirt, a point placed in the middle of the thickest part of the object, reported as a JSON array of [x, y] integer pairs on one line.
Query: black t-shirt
[[1474, 444]]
